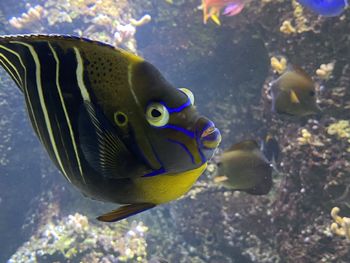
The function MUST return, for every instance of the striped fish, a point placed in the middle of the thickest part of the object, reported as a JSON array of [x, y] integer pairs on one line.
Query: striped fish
[[39, 70], [49, 70], [113, 126]]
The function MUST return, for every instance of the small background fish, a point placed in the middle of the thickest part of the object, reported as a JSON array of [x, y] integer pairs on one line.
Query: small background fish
[[294, 93], [212, 9], [326, 7], [243, 167]]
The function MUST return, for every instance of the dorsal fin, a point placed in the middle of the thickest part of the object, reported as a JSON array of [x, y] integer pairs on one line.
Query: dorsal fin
[[244, 145], [297, 69], [51, 38], [14, 50], [295, 75]]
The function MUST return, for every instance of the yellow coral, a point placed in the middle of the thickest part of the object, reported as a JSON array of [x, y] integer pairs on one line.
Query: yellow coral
[[325, 71], [341, 225], [142, 21], [305, 137], [300, 21], [308, 138], [298, 9], [278, 65], [287, 27], [340, 128]]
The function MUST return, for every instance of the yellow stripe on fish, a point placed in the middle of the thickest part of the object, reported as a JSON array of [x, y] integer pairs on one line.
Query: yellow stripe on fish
[[109, 120], [23, 86], [68, 121], [43, 104]]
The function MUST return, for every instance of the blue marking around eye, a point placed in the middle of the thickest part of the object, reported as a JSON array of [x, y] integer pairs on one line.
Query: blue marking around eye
[[184, 147], [155, 172], [177, 109], [180, 129]]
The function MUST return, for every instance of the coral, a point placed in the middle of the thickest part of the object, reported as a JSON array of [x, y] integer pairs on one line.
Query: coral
[[301, 21], [325, 71], [142, 21], [307, 138], [340, 128], [85, 9], [74, 237], [27, 19], [278, 65], [104, 20], [341, 225], [123, 33], [287, 27]]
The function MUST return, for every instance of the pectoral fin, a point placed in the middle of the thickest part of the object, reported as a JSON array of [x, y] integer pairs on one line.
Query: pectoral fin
[[293, 97], [220, 179], [101, 145], [124, 212]]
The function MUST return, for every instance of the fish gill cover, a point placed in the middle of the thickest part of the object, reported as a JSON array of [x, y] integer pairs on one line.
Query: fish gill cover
[[229, 67]]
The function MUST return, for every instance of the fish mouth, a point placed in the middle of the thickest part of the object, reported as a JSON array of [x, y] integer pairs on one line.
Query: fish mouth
[[210, 136], [208, 131]]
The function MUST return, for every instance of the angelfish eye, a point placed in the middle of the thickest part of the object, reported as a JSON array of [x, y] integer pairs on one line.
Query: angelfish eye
[[157, 114], [189, 94]]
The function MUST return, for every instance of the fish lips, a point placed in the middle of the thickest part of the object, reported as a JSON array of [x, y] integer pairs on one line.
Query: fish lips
[[208, 136]]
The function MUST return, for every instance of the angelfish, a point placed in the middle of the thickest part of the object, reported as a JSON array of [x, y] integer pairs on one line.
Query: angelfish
[[244, 167], [111, 123]]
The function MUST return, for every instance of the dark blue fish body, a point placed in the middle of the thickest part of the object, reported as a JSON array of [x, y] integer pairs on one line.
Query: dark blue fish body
[[110, 122], [325, 7]]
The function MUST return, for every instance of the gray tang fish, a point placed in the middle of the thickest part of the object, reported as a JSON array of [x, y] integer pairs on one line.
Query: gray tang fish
[[293, 93], [113, 126], [243, 167]]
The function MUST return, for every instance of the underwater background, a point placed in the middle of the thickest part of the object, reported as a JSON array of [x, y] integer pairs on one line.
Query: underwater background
[[228, 66]]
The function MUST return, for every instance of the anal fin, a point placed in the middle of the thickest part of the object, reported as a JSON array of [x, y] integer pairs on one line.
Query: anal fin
[[294, 98], [124, 212]]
